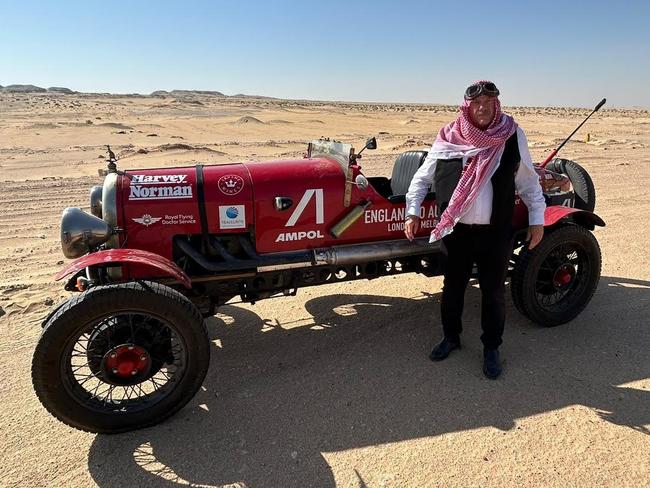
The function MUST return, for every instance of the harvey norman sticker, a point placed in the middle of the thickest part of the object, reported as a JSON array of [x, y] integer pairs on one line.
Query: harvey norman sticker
[[160, 187], [232, 217]]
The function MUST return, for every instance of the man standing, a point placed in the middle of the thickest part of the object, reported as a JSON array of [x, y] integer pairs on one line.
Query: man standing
[[476, 164]]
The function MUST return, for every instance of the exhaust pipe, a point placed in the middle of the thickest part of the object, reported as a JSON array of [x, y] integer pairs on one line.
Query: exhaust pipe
[[360, 253], [330, 256]]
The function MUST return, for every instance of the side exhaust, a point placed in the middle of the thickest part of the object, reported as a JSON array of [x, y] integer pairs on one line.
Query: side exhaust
[[331, 256], [360, 253]]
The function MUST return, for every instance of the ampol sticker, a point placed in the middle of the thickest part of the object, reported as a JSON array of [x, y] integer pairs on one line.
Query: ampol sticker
[[230, 184], [232, 217]]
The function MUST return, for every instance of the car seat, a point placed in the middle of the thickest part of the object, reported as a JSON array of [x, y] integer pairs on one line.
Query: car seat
[[405, 167]]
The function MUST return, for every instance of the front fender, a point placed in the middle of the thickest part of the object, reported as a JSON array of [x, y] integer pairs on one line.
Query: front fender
[[119, 256], [557, 213]]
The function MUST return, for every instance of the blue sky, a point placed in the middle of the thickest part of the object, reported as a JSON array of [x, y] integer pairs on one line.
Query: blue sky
[[559, 53]]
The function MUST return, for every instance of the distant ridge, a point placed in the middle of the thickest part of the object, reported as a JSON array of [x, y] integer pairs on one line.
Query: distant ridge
[[23, 89], [185, 93], [35, 89], [60, 89], [189, 93], [157, 93], [241, 95]]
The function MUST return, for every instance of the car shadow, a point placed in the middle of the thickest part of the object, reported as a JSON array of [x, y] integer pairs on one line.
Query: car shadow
[[278, 395]]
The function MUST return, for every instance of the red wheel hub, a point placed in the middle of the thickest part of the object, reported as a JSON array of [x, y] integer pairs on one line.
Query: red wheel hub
[[564, 276], [127, 361]]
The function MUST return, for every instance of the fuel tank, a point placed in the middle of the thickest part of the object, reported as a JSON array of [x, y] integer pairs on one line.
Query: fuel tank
[[154, 205]]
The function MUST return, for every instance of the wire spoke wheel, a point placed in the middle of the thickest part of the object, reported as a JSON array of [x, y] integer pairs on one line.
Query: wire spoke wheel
[[120, 357], [554, 282], [561, 276], [123, 363]]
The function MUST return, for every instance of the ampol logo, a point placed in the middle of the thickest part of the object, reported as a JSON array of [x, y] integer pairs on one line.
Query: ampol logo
[[230, 184], [232, 217]]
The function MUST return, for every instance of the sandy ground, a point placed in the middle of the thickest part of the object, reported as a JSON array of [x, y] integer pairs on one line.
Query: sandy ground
[[333, 387]]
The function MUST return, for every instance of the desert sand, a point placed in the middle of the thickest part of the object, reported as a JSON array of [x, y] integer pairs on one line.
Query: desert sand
[[333, 387]]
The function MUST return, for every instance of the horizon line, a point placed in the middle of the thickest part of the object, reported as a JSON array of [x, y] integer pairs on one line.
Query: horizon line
[[219, 94]]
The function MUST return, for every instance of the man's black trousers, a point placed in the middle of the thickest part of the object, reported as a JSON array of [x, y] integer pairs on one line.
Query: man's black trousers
[[490, 248]]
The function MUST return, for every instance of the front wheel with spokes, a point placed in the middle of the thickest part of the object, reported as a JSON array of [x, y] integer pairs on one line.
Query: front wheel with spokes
[[552, 283], [121, 357]]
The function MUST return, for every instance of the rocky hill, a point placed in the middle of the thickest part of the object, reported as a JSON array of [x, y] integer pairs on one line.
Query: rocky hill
[[23, 89], [158, 93]]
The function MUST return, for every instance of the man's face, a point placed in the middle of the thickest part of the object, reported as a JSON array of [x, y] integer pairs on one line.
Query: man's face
[[481, 111]]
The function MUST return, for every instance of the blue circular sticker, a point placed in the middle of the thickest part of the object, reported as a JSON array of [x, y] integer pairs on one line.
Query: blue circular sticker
[[232, 212]]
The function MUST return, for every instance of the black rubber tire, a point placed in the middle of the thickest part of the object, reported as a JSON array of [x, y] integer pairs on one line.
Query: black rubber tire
[[526, 273], [147, 298], [583, 186]]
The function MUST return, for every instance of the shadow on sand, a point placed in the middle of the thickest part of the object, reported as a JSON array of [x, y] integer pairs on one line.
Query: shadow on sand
[[275, 398]]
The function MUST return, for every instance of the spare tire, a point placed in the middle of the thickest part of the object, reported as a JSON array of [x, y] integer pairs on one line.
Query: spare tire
[[583, 187]]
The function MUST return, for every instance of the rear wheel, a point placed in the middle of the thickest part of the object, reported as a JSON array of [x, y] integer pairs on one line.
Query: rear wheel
[[583, 187], [120, 357], [552, 283]]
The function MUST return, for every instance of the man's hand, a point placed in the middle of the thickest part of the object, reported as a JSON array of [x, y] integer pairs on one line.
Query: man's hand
[[534, 235], [411, 226]]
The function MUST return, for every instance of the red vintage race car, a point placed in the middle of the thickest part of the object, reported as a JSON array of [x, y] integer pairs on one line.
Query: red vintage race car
[[162, 248]]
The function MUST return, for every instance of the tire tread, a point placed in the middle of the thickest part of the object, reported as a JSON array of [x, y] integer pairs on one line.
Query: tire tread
[[521, 275], [113, 297]]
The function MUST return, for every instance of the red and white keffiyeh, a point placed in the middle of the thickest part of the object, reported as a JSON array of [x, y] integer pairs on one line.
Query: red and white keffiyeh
[[462, 139]]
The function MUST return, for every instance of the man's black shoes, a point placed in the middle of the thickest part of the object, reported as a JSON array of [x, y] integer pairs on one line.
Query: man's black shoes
[[491, 363], [442, 350]]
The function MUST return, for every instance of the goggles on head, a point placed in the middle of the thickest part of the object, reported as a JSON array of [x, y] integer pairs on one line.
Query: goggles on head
[[481, 88]]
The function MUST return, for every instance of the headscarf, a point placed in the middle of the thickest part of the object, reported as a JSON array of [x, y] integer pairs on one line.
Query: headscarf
[[462, 139]]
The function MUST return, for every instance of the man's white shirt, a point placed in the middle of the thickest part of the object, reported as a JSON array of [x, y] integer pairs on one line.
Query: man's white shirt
[[526, 184]]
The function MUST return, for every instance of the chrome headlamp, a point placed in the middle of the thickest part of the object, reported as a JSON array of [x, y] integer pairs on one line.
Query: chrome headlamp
[[81, 232]]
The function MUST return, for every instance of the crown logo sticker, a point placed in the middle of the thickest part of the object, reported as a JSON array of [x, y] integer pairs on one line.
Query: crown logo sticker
[[230, 184]]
